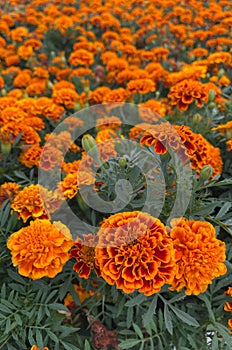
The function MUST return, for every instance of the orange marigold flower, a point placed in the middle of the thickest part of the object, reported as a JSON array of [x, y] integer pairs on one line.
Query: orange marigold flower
[[225, 129], [8, 190], [1, 82], [161, 137], [229, 145], [31, 156], [28, 202], [228, 306], [116, 95], [39, 250], [220, 57], [200, 256], [12, 114], [134, 251], [112, 122], [151, 111], [97, 96], [29, 135], [34, 347], [73, 122], [81, 57], [25, 52], [186, 91], [140, 86], [199, 150], [84, 253], [65, 96], [105, 134], [36, 87], [51, 158]]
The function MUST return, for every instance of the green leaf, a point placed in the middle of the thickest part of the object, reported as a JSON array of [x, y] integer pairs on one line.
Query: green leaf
[[168, 319], [136, 300], [52, 336], [69, 346], [204, 298], [129, 317], [215, 344], [224, 333], [138, 330], [87, 345], [129, 343], [39, 339], [224, 209], [186, 318], [16, 277], [148, 316]]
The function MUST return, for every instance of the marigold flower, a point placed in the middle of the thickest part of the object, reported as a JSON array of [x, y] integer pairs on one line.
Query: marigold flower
[[84, 253], [97, 96], [116, 95], [81, 57], [200, 151], [8, 190], [229, 145], [135, 252], [140, 86], [39, 250], [151, 111], [34, 347], [67, 97], [29, 203], [186, 91], [112, 122], [200, 256], [31, 156], [51, 158]]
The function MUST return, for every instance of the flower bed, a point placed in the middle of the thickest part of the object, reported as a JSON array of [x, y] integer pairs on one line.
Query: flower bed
[[116, 174]]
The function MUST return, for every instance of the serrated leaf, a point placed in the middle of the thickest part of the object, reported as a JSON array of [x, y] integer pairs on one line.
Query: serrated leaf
[[147, 317], [69, 346], [138, 330], [136, 300], [168, 319], [52, 336], [186, 318], [224, 209], [39, 339], [129, 343]]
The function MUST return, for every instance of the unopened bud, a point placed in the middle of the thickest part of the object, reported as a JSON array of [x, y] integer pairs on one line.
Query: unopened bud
[[6, 147], [49, 84], [90, 146], [3, 92], [221, 72], [63, 59], [197, 118], [122, 162], [211, 105], [206, 172], [211, 95]]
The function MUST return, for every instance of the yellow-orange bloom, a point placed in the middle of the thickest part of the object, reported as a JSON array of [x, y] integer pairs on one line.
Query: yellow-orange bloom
[[134, 251], [200, 256], [34, 347], [186, 91], [81, 57], [39, 250], [28, 202], [140, 86], [8, 190], [84, 253]]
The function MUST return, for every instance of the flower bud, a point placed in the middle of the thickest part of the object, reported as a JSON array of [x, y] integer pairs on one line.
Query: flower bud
[[197, 118], [211, 105], [90, 146], [3, 92], [221, 72], [122, 162], [6, 147], [49, 85], [211, 95], [206, 172], [77, 106]]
